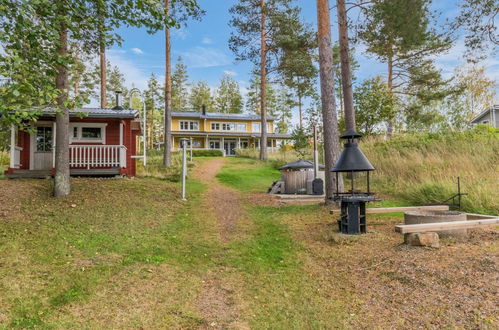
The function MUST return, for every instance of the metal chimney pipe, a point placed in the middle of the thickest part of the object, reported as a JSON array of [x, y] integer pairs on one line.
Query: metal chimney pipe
[[203, 107], [118, 105]]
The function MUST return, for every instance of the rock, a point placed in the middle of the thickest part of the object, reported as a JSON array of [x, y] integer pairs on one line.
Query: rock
[[422, 239]]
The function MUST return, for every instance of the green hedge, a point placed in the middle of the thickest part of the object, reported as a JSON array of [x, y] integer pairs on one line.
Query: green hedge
[[207, 153]]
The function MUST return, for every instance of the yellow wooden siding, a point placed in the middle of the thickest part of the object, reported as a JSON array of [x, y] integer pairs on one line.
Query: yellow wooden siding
[[207, 128]]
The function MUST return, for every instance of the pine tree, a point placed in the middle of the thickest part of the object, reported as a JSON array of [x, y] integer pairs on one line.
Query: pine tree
[[400, 33], [228, 98], [180, 92], [153, 100], [201, 95]]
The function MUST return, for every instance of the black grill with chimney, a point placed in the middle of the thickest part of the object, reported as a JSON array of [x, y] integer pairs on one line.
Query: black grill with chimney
[[353, 202]]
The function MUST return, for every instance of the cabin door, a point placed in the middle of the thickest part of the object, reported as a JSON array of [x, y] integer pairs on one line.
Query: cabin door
[[42, 148]]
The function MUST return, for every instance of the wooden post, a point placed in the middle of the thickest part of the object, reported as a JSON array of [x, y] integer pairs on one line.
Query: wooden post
[[12, 145], [222, 146]]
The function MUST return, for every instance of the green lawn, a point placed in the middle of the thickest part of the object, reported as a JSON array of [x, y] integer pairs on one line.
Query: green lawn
[[248, 175]]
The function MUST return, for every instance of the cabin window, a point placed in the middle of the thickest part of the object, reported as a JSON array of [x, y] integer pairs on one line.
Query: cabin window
[[241, 127], [88, 132], [228, 127], [44, 139], [188, 125], [215, 126]]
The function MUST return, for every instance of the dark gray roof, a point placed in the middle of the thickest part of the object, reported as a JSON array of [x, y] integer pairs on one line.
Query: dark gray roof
[[217, 115], [95, 113], [231, 134], [484, 112], [299, 164]]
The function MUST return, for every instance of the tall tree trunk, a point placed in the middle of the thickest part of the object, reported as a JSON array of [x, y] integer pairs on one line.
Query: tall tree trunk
[[103, 74], [263, 83], [389, 129], [300, 111], [346, 71], [102, 55], [168, 97], [62, 186], [330, 121]]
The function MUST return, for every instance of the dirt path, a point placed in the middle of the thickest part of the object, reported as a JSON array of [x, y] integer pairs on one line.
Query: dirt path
[[216, 303]]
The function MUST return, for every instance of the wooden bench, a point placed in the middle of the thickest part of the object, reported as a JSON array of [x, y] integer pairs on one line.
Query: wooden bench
[[439, 226], [376, 210]]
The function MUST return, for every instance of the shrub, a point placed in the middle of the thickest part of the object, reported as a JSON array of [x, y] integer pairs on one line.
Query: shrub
[[207, 153]]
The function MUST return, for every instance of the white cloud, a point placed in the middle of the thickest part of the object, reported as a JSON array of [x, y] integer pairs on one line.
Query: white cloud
[[207, 41], [133, 74], [230, 73], [204, 57], [137, 51], [180, 33]]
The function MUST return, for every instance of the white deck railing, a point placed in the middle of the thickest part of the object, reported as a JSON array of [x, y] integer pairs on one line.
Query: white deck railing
[[97, 156]]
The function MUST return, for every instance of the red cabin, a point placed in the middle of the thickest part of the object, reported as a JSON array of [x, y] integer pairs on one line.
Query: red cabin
[[102, 142]]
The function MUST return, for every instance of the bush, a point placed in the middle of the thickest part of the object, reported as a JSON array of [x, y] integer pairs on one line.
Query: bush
[[207, 153]]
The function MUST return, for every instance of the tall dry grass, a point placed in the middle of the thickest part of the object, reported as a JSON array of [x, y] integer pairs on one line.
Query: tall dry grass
[[423, 168], [155, 169]]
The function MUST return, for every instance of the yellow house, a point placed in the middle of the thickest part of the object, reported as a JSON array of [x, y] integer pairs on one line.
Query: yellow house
[[223, 131]]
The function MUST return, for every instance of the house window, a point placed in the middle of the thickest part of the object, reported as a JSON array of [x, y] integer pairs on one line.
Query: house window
[[215, 126], [244, 144], [188, 125], [44, 139], [91, 132], [241, 127], [88, 132], [228, 127], [195, 143], [255, 127], [214, 144]]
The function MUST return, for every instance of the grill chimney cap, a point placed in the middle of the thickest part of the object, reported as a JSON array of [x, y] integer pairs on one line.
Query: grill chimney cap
[[350, 134], [352, 159]]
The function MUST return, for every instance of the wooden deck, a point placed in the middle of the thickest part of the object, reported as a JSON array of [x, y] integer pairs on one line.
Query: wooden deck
[[42, 174]]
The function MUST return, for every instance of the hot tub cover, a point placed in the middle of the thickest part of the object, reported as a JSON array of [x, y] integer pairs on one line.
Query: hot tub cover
[[299, 164]]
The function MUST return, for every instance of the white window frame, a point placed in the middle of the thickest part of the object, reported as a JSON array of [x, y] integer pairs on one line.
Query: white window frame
[[255, 130], [80, 139], [189, 125], [238, 129], [217, 126]]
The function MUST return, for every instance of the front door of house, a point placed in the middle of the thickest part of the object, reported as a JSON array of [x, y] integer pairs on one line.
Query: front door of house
[[230, 148], [42, 148]]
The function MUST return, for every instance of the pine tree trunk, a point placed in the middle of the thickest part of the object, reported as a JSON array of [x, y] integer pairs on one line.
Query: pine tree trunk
[[300, 111], [330, 121], [62, 186], [346, 71], [263, 84], [168, 98], [103, 75], [102, 56], [389, 129]]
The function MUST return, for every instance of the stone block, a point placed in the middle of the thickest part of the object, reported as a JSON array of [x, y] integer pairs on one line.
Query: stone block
[[422, 239]]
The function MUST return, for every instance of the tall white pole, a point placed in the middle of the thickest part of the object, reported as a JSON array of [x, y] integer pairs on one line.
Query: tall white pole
[[144, 134], [184, 167], [316, 154]]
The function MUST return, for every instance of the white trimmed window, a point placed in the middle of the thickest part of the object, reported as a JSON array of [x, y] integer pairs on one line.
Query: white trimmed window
[[215, 126], [241, 127], [189, 125], [88, 132], [255, 127]]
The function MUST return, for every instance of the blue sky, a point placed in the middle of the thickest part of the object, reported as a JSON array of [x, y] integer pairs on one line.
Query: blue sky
[[204, 47]]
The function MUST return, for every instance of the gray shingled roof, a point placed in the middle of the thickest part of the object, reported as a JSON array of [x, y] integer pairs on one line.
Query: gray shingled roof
[[216, 115], [96, 113]]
